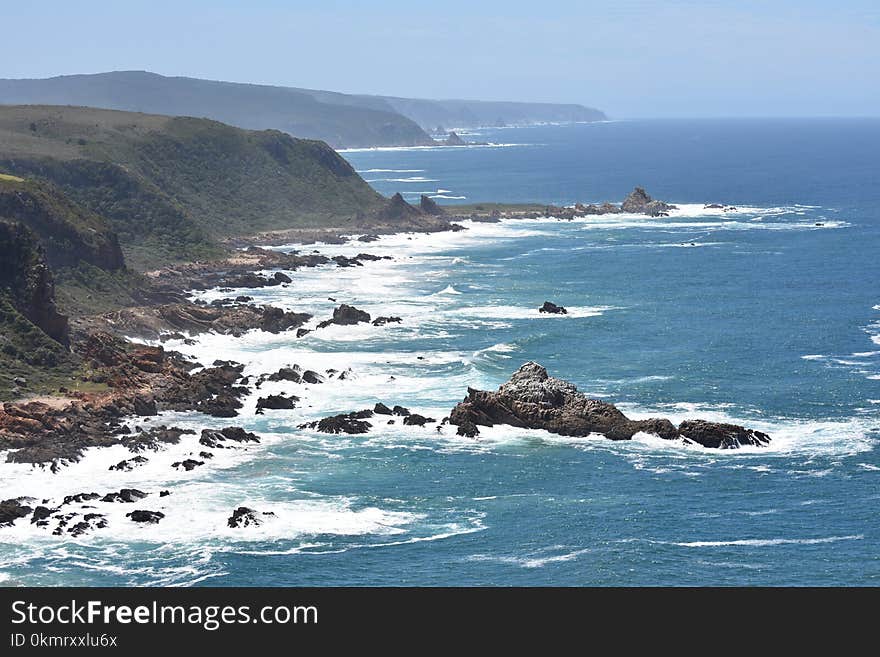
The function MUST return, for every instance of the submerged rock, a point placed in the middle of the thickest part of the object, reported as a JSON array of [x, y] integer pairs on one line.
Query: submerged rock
[[245, 517], [382, 321], [350, 423], [532, 399]]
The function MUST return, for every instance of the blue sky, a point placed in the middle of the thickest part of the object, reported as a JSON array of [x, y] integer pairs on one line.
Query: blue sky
[[631, 58]]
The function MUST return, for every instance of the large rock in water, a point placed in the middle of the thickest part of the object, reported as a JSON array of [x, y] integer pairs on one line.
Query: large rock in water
[[639, 202], [533, 399], [346, 315]]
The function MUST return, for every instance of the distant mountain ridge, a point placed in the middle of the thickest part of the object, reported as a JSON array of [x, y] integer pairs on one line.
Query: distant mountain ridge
[[432, 114], [342, 120]]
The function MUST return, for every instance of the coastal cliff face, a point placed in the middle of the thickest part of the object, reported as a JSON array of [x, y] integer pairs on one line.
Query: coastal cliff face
[[69, 234], [26, 282], [533, 399]]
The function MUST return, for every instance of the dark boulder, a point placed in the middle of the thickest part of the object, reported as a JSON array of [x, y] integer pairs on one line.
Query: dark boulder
[[468, 429], [245, 517], [350, 423], [42, 515], [552, 308], [276, 320], [79, 498], [276, 402], [400, 410], [129, 464], [152, 517], [286, 374], [346, 315], [125, 495], [188, 464], [382, 321], [215, 438], [416, 420], [720, 435], [381, 409], [312, 377], [12, 510]]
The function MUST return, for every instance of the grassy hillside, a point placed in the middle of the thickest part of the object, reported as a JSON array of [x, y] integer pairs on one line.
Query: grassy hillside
[[337, 119], [172, 187]]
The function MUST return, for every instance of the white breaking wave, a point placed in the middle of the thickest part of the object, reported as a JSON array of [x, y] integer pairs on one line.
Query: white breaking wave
[[411, 179], [516, 312], [768, 542], [390, 170], [435, 147]]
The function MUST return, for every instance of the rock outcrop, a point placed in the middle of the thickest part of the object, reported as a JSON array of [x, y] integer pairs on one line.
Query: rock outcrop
[[27, 283], [452, 139], [532, 399], [346, 315], [429, 205], [639, 202]]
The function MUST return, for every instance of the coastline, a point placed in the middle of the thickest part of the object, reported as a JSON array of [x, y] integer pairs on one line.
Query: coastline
[[266, 519]]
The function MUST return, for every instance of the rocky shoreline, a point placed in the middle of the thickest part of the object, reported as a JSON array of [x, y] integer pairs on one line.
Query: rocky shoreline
[[142, 381]]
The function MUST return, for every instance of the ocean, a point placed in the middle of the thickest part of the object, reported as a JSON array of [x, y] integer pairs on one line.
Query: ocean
[[767, 316]]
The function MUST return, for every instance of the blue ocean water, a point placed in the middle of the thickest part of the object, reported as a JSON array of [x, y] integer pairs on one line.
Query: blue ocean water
[[767, 316]]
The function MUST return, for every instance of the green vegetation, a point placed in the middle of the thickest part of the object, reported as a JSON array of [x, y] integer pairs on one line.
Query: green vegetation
[[90, 290], [28, 353], [68, 232], [4, 177], [173, 188]]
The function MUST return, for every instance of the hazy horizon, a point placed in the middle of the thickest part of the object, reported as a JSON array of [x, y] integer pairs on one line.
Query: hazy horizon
[[629, 59]]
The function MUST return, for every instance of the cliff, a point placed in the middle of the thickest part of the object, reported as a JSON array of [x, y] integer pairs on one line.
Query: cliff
[[173, 188], [69, 234], [26, 282]]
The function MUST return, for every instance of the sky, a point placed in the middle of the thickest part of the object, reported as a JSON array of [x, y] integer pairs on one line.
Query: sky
[[630, 58]]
